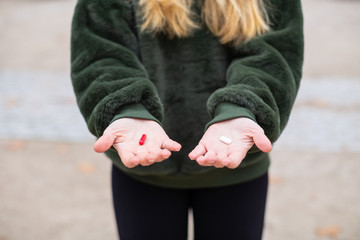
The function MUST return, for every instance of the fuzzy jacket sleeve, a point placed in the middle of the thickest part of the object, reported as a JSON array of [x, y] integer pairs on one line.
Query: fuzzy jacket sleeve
[[265, 73], [108, 77]]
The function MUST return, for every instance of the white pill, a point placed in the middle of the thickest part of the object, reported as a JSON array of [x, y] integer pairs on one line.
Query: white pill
[[225, 140]]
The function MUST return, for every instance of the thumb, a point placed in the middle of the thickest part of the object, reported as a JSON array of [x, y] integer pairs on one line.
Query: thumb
[[171, 145], [262, 142], [104, 143]]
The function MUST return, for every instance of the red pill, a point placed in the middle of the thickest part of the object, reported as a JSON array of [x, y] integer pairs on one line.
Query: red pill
[[142, 139]]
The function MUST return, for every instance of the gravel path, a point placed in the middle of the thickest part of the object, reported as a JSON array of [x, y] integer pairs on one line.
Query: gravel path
[[53, 186]]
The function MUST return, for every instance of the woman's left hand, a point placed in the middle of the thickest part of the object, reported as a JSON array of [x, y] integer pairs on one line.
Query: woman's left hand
[[243, 132]]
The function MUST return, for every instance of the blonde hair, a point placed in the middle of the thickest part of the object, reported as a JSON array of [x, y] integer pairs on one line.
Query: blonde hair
[[232, 21]]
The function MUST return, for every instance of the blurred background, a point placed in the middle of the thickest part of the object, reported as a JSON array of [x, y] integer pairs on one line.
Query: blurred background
[[53, 186]]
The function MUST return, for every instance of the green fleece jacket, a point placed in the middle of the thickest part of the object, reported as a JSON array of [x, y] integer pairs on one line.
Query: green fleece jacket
[[184, 84]]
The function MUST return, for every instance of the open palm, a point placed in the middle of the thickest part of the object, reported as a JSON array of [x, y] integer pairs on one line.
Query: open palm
[[243, 132], [124, 134]]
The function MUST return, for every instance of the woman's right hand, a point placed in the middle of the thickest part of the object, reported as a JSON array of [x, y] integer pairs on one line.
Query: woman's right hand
[[124, 134]]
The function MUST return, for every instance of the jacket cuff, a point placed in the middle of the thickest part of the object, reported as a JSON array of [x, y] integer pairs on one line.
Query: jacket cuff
[[227, 111], [136, 110]]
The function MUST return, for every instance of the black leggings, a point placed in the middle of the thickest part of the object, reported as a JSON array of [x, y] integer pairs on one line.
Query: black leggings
[[146, 212]]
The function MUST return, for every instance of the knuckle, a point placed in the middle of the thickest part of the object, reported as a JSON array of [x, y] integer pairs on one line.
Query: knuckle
[[144, 163], [152, 157], [201, 162], [234, 165], [129, 164], [219, 166]]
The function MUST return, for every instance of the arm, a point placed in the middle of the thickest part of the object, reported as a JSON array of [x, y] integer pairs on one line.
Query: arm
[[262, 83], [114, 94], [108, 78], [264, 77]]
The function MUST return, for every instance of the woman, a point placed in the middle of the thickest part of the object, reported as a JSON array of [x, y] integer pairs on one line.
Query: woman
[[186, 98]]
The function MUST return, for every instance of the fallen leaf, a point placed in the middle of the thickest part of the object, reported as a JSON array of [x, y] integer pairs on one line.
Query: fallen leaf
[[11, 102], [16, 145], [62, 148], [314, 197], [331, 231], [88, 168], [275, 180], [319, 103]]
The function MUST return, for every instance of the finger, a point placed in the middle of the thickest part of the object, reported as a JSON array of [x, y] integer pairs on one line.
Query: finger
[[129, 159], [143, 157], [204, 162], [153, 156], [198, 151], [162, 155], [224, 159], [158, 156], [201, 160], [211, 157], [145, 163], [262, 142], [236, 159], [208, 159], [104, 143], [218, 165], [171, 145], [165, 154]]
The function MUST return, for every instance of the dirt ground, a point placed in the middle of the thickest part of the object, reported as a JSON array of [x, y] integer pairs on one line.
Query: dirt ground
[[59, 189]]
